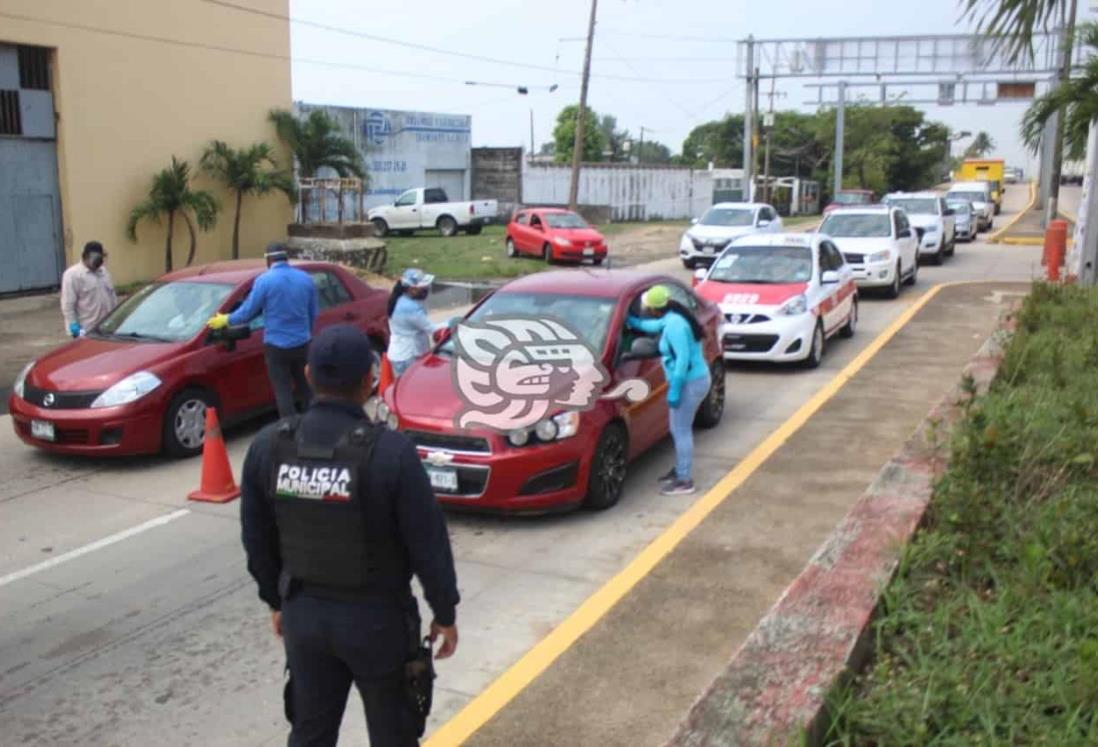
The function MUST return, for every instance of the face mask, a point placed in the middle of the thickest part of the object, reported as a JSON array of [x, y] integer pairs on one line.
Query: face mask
[[96, 261]]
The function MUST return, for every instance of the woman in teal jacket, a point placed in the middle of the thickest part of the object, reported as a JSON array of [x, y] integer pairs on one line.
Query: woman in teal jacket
[[687, 375]]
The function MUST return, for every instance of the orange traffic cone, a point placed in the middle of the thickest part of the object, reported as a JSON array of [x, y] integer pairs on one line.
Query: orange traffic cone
[[218, 485], [385, 378]]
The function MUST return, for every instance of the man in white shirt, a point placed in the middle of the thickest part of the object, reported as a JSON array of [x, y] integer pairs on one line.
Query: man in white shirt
[[87, 293]]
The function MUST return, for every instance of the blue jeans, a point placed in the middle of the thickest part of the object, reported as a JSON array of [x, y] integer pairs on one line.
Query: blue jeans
[[400, 367], [682, 424]]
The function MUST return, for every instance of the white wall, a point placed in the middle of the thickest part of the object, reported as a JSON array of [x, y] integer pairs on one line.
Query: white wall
[[632, 192]]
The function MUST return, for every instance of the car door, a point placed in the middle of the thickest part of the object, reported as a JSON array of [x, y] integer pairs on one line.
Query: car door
[[434, 205], [949, 223], [333, 301], [905, 237], [538, 234], [405, 212], [239, 370], [833, 303], [647, 419]]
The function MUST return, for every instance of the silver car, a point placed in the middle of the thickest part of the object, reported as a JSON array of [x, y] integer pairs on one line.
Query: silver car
[[967, 221]]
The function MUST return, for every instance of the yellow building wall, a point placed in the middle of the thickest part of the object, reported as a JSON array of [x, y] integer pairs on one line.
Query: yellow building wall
[[126, 105]]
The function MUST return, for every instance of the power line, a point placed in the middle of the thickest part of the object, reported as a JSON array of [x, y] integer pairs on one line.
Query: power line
[[429, 48]]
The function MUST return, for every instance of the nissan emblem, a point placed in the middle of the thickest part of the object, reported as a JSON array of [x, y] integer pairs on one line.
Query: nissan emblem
[[48, 400]]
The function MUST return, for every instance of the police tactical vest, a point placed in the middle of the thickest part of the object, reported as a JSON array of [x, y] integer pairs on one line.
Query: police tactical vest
[[326, 535]]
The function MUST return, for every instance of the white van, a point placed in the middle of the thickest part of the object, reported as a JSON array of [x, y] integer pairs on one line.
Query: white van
[[979, 195]]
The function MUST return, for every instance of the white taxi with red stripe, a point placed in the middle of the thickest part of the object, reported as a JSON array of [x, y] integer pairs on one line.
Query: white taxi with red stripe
[[782, 296]]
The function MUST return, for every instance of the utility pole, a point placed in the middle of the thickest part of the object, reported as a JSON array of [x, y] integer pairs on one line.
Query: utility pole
[[1083, 257], [1066, 44], [640, 147], [840, 123], [581, 115], [532, 152], [768, 124], [755, 126], [749, 122]]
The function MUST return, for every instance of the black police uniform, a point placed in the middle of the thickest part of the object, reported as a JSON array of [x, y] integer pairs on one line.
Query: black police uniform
[[337, 515]]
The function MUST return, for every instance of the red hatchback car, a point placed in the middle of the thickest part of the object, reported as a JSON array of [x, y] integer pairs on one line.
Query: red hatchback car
[[579, 458], [554, 235], [140, 382]]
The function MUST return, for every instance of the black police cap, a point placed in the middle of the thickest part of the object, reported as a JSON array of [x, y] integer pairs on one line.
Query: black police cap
[[340, 356]]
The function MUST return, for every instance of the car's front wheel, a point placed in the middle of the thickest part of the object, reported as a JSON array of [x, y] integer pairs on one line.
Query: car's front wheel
[[712, 407], [608, 466], [815, 348], [511, 251], [185, 422], [851, 325], [381, 228], [893, 290], [914, 276], [547, 254]]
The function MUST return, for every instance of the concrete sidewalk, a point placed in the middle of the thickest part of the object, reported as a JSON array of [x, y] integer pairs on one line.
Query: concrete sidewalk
[[632, 677]]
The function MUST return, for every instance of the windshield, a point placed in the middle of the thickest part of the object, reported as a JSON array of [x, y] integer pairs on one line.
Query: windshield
[[590, 317], [968, 196], [962, 208], [857, 226], [916, 206], [764, 264], [166, 312], [718, 216], [565, 220], [850, 198]]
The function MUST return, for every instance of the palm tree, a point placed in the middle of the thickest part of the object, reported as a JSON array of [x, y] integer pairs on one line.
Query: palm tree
[[247, 171], [1078, 98], [1015, 22], [171, 193], [317, 142], [980, 146]]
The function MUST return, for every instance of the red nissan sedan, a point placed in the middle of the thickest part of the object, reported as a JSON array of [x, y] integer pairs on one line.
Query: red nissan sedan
[[569, 458], [554, 235], [140, 382]]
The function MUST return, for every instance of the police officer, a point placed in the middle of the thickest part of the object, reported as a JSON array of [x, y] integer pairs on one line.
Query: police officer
[[337, 515], [288, 299]]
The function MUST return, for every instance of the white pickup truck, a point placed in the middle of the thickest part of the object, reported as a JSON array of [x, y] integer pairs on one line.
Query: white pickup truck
[[428, 207]]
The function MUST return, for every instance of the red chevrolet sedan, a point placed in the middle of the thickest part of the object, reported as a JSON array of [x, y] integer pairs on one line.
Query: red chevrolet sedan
[[554, 235], [140, 382], [570, 458]]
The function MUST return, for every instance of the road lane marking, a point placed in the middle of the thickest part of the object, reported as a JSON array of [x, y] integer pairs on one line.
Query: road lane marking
[[97, 545], [996, 237], [535, 661]]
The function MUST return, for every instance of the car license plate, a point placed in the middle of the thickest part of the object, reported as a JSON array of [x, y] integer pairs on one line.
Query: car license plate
[[443, 479], [709, 249], [588, 252], [42, 429]]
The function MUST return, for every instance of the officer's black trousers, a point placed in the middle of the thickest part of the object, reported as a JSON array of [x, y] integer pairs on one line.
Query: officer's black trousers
[[329, 645]]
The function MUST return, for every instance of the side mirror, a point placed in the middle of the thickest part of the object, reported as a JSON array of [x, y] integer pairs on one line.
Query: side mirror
[[642, 349], [693, 221], [829, 277], [763, 223], [442, 335], [950, 211], [229, 336], [699, 275], [904, 234]]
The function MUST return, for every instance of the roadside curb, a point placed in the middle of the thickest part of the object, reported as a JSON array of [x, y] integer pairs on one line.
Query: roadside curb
[[997, 237], [775, 688]]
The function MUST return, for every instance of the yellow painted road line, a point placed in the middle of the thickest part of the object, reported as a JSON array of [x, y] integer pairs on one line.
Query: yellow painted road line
[[508, 685], [995, 237]]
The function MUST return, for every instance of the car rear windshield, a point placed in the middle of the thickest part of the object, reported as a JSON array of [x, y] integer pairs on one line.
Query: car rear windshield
[[851, 198], [565, 220], [166, 312], [763, 264], [916, 206], [962, 207], [857, 226], [590, 317], [968, 196], [718, 216]]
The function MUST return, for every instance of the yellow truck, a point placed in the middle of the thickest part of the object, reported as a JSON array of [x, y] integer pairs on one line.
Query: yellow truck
[[991, 170]]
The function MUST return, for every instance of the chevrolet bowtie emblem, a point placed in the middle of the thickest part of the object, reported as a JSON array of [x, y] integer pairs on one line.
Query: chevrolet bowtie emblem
[[439, 458]]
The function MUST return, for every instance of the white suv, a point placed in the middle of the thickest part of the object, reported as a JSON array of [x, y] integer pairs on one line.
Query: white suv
[[932, 219], [704, 241], [878, 243]]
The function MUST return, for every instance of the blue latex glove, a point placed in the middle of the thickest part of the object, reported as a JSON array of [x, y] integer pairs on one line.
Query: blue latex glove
[[673, 402], [74, 329]]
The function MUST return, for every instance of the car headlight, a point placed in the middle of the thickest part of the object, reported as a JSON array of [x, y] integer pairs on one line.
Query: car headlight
[[21, 380], [686, 243], [130, 389], [560, 426], [567, 423], [794, 306], [519, 437], [878, 257], [546, 430], [930, 229], [561, 241]]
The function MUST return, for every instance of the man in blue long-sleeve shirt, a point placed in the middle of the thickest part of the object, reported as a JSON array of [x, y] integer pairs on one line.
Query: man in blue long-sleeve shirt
[[287, 297], [337, 515]]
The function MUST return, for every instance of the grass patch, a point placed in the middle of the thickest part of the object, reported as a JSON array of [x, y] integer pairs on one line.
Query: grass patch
[[989, 633], [800, 221]]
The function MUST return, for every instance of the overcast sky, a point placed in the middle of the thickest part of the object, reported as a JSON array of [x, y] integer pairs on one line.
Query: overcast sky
[[679, 82]]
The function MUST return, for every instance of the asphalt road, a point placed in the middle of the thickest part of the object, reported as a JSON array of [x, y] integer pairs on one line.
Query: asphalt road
[[126, 615]]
